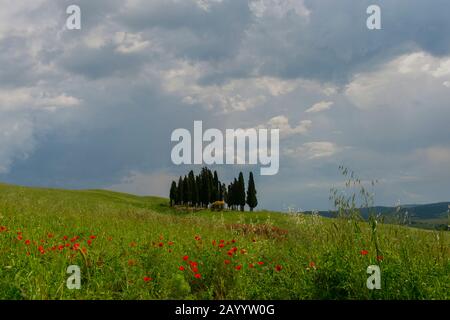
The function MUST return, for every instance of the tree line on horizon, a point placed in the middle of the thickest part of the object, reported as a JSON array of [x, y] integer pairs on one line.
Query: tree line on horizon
[[204, 189]]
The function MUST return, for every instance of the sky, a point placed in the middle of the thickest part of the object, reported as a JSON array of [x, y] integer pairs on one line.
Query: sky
[[95, 108]]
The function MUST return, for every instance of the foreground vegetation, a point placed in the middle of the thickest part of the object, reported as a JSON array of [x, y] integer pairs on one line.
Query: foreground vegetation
[[131, 247]]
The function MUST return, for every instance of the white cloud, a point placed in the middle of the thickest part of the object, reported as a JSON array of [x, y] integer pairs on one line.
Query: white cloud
[[320, 106], [130, 43], [282, 122], [278, 8], [314, 150], [34, 98], [411, 81], [234, 95]]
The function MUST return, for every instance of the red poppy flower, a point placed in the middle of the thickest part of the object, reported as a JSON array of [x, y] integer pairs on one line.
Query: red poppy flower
[[251, 265], [65, 237], [198, 276], [230, 253], [50, 235], [238, 267], [67, 244], [194, 269], [227, 261], [185, 258], [260, 263], [222, 241], [84, 250], [181, 268], [92, 237], [364, 252], [19, 237], [27, 242], [61, 247], [89, 242], [161, 244], [76, 246], [233, 241], [147, 279], [221, 245], [380, 258], [170, 243], [278, 268], [198, 238]]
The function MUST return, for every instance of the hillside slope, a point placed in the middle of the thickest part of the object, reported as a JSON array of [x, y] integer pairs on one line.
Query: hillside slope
[[131, 247]]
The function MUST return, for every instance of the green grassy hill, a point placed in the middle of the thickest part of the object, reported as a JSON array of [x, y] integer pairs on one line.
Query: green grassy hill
[[131, 247]]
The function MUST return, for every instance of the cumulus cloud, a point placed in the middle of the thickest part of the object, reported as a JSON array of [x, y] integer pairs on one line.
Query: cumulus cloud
[[286, 130], [319, 107], [314, 150]]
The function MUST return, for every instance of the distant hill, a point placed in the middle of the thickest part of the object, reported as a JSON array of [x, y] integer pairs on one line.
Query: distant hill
[[429, 216]]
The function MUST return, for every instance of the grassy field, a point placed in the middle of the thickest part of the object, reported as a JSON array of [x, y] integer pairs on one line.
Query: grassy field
[[131, 247]]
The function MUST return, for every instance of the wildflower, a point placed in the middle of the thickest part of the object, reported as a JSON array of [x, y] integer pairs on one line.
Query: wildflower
[[170, 243], [221, 245], [181, 268], [76, 246], [161, 244], [198, 276], [222, 241], [230, 253], [195, 269], [147, 279], [74, 239], [27, 242], [185, 258], [261, 263], [233, 241], [239, 267], [89, 242], [50, 235], [214, 242], [251, 266], [84, 250], [19, 237], [227, 261], [364, 252], [380, 258], [92, 237], [278, 268], [65, 238], [61, 247]]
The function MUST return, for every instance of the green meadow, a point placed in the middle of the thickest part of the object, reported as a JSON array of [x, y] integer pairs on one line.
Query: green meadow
[[131, 247]]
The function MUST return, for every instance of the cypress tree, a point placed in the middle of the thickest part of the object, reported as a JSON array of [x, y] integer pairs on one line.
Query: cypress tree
[[252, 201], [180, 199], [186, 191], [241, 192], [191, 182], [173, 193]]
